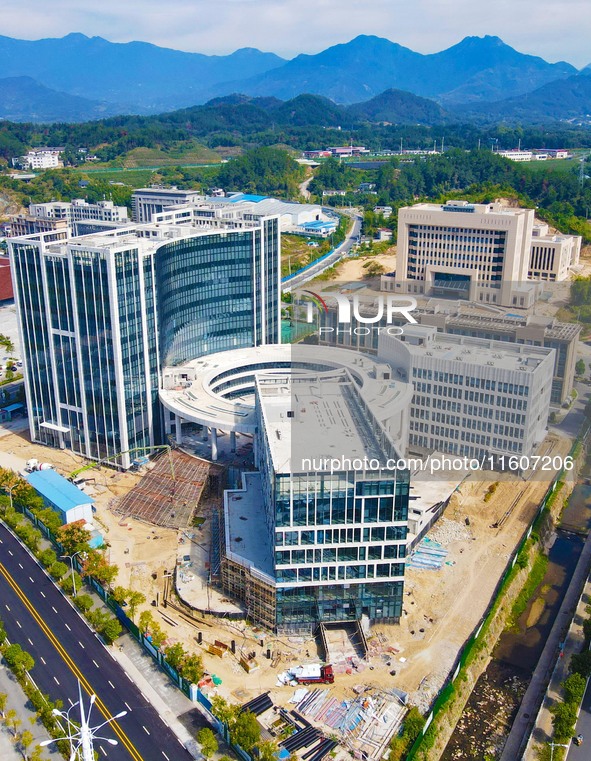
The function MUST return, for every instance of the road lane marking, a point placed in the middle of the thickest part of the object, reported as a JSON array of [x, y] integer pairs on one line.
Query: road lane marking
[[125, 741], [102, 750], [111, 683], [18, 623], [55, 680], [31, 580], [67, 627], [41, 593], [42, 661], [30, 641], [128, 706], [81, 645], [96, 664], [145, 730], [22, 566], [165, 756], [53, 609], [10, 553], [144, 697], [7, 608]]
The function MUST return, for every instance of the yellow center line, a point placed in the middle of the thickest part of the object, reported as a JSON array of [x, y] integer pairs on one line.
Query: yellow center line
[[70, 663]]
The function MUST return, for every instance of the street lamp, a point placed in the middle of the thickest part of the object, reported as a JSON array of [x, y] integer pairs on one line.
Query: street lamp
[[80, 552], [81, 737]]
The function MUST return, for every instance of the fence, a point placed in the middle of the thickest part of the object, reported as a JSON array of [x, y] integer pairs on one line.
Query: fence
[[474, 640]]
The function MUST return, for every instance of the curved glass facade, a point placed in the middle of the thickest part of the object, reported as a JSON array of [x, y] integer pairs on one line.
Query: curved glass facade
[[217, 292]]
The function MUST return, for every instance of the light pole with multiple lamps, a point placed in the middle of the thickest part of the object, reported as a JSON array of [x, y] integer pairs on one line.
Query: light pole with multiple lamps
[[81, 737]]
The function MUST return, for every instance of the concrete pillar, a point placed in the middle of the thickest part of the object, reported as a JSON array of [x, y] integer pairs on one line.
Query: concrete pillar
[[255, 449], [232, 441], [204, 433], [178, 426], [214, 444]]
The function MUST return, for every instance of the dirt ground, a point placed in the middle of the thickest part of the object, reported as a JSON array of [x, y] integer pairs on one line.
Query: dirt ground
[[441, 607]]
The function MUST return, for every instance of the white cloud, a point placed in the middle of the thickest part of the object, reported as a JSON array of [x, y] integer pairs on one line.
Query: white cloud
[[548, 28]]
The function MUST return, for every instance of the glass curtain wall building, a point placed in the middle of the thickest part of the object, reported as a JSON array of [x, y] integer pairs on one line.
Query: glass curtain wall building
[[97, 314]]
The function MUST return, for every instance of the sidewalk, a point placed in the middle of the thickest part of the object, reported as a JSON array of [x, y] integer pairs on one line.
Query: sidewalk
[[537, 687], [159, 690], [17, 700], [574, 641]]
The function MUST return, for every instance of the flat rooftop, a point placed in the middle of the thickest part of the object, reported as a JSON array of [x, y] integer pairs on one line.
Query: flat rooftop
[[318, 417], [247, 542], [468, 350]]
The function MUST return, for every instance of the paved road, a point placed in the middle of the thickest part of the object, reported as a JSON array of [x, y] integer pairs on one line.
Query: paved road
[[339, 252], [37, 616]]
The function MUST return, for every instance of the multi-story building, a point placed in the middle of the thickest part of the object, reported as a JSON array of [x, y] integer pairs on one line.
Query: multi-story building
[[26, 224], [479, 252], [457, 318], [100, 314], [474, 398], [319, 533], [40, 158], [145, 202], [76, 217], [79, 210], [552, 256]]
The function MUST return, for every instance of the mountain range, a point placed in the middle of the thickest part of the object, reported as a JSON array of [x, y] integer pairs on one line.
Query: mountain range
[[79, 78]]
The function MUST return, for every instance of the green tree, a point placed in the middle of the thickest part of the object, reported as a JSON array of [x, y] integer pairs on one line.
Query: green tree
[[175, 655], [3, 699], [564, 717], [246, 731], [146, 621], [13, 721], [18, 659], [83, 602], [25, 741], [192, 668], [267, 750], [135, 599], [111, 629], [208, 742], [74, 537], [47, 557], [580, 663], [50, 519], [574, 689], [95, 564], [580, 367], [58, 570], [120, 594], [224, 711]]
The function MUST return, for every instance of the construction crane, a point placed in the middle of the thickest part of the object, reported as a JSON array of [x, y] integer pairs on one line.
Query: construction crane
[[107, 460]]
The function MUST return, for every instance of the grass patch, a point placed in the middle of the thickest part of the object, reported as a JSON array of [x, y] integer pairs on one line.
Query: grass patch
[[535, 578], [554, 166]]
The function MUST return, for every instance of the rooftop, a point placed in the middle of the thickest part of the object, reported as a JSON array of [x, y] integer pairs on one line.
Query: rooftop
[[425, 341], [246, 542], [315, 416], [58, 490]]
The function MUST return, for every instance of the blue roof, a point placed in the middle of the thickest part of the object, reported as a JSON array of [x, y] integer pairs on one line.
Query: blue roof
[[58, 490], [247, 197]]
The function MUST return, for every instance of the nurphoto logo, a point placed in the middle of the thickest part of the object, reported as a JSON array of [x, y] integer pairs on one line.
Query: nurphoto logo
[[348, 310]]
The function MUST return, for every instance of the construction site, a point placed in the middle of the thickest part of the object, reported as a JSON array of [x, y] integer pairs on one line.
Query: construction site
[[378, 671]]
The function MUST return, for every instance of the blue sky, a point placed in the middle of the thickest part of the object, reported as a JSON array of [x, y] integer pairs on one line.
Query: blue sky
[[553, 29]]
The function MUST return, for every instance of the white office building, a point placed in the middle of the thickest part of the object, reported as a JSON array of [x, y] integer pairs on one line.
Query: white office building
[[145, 202], [473, 397], [479, 252], [552, 256], [40, 158]]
